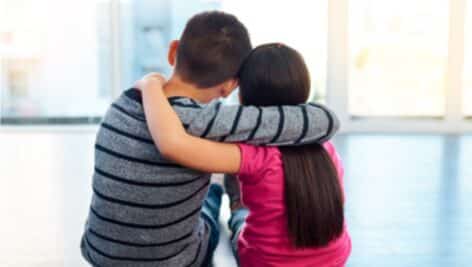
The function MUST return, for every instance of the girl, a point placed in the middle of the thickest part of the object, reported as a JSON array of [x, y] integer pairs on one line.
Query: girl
[[294, 194]]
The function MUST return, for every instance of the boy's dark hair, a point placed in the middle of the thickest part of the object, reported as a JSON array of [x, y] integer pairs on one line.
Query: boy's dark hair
[[212, 48], [275, 74]]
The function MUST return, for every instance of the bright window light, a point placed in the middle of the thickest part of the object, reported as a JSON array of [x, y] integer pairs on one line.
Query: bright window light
[[53, 60], [398, 57], [299, 24]]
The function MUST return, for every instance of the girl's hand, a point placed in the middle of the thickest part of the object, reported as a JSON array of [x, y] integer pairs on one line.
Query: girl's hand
[[152, 79]]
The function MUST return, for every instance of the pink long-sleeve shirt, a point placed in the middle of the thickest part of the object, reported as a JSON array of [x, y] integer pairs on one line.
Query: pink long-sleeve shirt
[[264, 240]]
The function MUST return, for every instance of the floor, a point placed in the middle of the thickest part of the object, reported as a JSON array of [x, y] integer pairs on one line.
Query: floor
[[406, 198]]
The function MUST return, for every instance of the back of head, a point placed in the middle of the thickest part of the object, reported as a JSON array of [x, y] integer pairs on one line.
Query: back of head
[[212, 48], [275, 74]]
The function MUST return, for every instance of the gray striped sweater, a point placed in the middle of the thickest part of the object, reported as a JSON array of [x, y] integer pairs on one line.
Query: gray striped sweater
[[145, 210]]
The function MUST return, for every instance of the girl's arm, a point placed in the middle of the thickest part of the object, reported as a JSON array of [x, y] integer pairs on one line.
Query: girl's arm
[[173, 141]]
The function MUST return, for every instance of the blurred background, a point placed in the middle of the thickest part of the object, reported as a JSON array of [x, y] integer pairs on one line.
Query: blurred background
[[398, 74]]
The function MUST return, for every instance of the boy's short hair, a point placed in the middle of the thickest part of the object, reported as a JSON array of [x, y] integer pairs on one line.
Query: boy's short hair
[[212, 48]]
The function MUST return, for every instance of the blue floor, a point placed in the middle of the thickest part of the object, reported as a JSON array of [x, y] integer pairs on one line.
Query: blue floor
[[408, 199]]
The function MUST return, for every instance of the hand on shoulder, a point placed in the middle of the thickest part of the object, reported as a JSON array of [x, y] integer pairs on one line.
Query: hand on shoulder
[[150, 80]]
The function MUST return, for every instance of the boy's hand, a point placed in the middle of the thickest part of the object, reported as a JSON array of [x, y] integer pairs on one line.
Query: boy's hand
[[151, 79]]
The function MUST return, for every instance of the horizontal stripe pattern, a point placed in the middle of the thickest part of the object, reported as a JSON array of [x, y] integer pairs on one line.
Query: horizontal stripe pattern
[[134, 259], [134, 171], [149, 206], [135, 193], [151, 196], [144, 183], [140, 235], [135, 244], [146, 210], [183, 105], [139, 225], [135, 160], [129, 135], [127, 113]]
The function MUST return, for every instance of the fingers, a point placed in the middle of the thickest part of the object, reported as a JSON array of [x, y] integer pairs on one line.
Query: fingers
[[138, 85], [151, 77], [154, 75]]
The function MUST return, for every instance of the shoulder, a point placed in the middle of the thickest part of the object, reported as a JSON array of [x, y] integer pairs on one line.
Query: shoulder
[[251, 151], [255, 159], [329, 147]]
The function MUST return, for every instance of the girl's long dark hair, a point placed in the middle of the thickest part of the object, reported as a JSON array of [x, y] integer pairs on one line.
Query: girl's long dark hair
[[275, 74]]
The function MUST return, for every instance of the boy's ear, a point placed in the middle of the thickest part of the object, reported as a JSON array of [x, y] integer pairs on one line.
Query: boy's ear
[[172, 55], [228, 87]]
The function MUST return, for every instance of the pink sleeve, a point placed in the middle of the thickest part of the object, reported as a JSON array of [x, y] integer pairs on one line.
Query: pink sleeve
[[336, 161], [252, 162]]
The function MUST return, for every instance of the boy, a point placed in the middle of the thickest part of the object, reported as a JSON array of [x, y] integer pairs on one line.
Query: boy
[[147, 211]]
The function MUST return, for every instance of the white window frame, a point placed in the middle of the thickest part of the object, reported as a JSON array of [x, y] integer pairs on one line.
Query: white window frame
[[116, 46], [454, 120]]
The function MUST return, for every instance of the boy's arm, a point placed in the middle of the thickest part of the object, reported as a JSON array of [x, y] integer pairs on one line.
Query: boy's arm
[[283, 125]]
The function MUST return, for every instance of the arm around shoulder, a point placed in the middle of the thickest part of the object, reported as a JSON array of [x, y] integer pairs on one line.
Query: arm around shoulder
[[173, 141]]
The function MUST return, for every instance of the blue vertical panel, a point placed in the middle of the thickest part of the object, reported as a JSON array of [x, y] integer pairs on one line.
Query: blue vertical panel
[[148, 27], [152, 25]]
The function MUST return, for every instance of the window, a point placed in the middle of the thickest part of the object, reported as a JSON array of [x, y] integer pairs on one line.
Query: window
[[388, 60], [147, 27], [467, 81], [398, 58], [299, 24], [53, 61]]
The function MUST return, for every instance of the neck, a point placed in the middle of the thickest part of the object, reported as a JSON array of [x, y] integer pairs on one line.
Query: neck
[[175, 86]]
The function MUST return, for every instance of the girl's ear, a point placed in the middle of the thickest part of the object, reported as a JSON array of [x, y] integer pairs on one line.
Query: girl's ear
[[172, 55]]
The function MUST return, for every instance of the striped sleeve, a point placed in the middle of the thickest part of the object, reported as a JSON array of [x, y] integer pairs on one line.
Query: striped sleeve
[[275, 125]]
